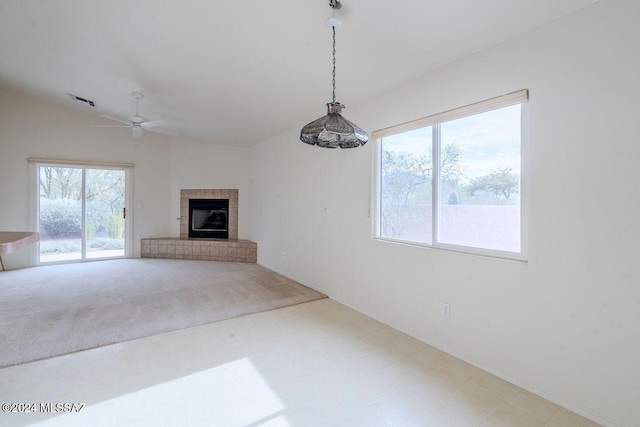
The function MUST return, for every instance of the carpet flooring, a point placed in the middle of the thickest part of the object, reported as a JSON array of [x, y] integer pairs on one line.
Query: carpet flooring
[[52, 310]]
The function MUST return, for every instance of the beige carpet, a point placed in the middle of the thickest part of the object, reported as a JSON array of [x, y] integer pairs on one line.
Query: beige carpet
[[53, 310]]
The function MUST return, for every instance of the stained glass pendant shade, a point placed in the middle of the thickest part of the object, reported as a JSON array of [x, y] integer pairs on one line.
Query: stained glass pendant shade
[[333, 130]]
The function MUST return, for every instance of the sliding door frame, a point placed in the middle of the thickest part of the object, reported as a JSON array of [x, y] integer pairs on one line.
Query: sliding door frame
[[34, 208]]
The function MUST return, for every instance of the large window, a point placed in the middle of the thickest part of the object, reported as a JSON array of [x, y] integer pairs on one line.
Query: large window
[[456, 180]]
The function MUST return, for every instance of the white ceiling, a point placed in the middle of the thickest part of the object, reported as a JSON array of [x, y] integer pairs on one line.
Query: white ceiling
[[238, 72]]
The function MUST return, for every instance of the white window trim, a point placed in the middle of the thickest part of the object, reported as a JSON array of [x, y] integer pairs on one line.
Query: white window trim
[[519, 97]]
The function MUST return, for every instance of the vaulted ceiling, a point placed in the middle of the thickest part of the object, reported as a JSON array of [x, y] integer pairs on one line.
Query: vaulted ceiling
[[239, 72]]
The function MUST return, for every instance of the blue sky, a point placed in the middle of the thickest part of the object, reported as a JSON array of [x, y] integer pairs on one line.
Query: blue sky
[[489, 141]]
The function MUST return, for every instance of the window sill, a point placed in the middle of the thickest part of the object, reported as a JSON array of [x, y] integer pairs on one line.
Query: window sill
[[486, 253]]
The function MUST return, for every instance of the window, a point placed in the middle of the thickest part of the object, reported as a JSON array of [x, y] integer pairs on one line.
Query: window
[[80, 210], [456, 180]]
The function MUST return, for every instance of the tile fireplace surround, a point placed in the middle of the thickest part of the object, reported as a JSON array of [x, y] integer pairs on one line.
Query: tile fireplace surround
[[230, 250]]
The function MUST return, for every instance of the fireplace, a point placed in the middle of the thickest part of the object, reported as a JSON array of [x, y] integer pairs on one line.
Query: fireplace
[[209, 218], [210, 214], [201, 211]]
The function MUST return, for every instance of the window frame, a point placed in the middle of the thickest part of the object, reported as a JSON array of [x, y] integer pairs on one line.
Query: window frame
[[519, 97]]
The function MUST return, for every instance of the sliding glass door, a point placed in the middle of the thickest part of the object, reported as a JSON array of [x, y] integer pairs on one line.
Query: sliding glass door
[[82, 213]]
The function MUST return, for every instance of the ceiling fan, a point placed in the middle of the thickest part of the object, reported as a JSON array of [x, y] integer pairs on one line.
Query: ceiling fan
[[140, 124]]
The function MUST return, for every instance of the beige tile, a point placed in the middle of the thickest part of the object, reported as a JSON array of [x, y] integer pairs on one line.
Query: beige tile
[[490, 422], [537, 405], [419, 363], [359, 394], [394, 409], [566, 418], [448, 413], [424, 390], [463, 369], [497, 386], [312, 387], [446, 380], [477, 397], [324, 411], [437, 356], [516, 417]]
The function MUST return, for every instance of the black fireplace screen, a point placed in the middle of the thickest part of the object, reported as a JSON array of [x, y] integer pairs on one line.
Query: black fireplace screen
[[209, 218]]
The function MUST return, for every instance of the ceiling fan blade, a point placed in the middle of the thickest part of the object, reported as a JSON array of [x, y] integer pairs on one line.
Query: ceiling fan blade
[[137, 131], [117, 120], [164, 131], [110, 126], [156, 123]]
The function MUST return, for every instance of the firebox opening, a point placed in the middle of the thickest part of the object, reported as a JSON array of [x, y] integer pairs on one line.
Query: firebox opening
[[209, 218]]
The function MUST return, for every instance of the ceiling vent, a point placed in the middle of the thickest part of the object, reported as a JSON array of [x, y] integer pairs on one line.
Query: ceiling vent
[[79, 99]]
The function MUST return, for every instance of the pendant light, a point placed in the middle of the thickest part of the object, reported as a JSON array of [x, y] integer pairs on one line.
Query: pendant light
[[333, 130]]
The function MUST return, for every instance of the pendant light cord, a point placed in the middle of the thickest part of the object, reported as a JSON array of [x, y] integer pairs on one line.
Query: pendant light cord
[[334, 64]]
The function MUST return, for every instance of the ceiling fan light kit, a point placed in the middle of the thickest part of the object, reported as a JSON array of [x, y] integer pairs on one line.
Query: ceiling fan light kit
[[333, 130]]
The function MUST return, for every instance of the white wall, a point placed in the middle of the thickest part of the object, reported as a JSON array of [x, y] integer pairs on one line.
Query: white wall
[[566, 324], [200, 164], [32, 127]]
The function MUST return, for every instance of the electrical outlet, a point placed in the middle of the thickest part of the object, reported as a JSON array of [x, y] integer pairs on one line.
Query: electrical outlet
[[445, 309]]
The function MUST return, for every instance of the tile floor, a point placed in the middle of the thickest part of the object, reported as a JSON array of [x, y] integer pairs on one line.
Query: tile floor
[[314, 364]]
